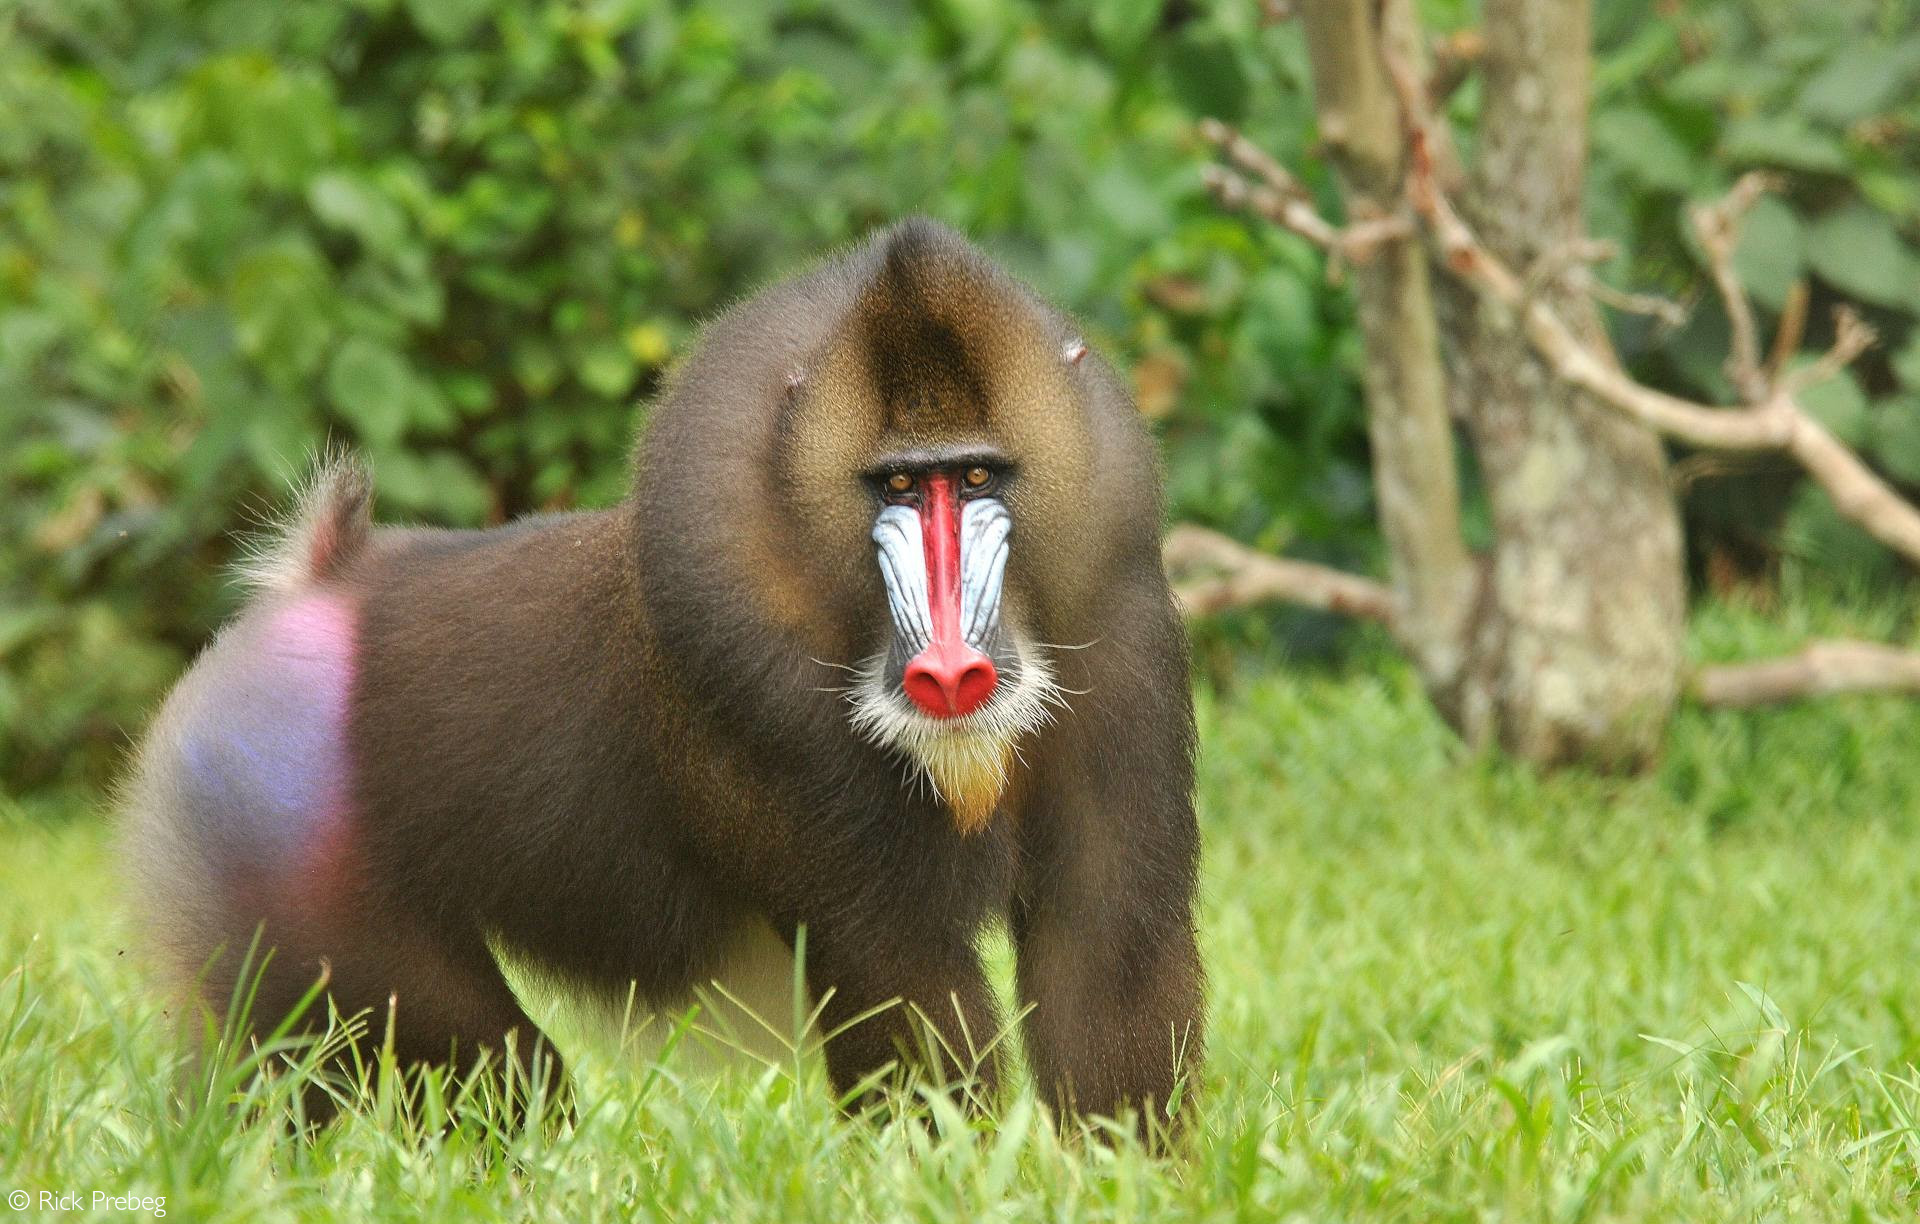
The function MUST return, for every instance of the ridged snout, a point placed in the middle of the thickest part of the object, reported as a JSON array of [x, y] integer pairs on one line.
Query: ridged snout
[[943, 564]]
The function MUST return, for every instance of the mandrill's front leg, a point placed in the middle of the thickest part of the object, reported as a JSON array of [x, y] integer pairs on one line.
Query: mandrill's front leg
[[926, 1009], [1103, 920]]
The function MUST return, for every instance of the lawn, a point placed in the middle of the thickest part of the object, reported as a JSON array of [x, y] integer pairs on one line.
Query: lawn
[[1442, 987]]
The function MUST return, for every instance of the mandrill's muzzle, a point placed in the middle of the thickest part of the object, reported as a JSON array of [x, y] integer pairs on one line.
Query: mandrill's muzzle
[[943, 562]]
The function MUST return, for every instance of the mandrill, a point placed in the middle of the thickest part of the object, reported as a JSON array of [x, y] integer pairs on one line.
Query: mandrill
[[880, 646]]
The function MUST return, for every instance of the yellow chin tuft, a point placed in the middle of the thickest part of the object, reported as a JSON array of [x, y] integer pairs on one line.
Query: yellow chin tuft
[[970, 773]]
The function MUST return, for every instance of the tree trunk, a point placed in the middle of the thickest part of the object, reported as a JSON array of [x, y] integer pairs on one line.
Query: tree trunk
[[1577, 653], [1567, 646], [1414, 475]]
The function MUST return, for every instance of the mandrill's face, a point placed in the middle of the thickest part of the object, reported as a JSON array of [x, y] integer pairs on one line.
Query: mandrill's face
[[957, 684], [935, 477], [942, 541]]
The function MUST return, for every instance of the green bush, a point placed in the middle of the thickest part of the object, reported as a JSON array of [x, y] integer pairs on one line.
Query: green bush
[[467, 236]]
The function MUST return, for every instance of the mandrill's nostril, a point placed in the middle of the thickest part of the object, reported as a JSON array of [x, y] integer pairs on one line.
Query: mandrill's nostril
[[976, 685], [949, 681]]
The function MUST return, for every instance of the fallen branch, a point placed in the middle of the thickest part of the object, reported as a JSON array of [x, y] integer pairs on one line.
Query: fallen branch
[[1818, 669], [1228, 574]]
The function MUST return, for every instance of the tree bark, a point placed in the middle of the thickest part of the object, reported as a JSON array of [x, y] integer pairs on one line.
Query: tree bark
[[1576, 653], [1414, 473]]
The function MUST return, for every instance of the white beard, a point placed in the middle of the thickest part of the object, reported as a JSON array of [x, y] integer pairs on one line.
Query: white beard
[[964, 760]]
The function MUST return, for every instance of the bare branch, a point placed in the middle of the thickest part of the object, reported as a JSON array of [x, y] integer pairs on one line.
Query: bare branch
[[1277, 196], [1775, 422], [1852, 336], [1250, 157], [1231, 575], [1287, 212], [1426, 144], [1665, 311], [1717, 226], [1712, 465], [1819, 669], [1360, 239], [1454, 56], [1571, 263], [1567, 257], [1790, 331]]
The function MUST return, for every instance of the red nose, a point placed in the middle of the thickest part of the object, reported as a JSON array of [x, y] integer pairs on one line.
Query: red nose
[[947, 679]]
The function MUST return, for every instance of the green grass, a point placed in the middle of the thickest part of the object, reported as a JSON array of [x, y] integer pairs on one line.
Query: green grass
[[1442, 987]]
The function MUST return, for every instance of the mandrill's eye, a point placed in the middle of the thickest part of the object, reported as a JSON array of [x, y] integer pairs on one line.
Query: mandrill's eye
[[900, 482], [977, 477]]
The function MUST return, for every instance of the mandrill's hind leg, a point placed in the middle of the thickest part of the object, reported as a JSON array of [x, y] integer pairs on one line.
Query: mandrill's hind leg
[[436, 1002]]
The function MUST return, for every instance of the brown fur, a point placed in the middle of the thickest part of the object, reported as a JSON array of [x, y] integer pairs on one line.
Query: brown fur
[[611, 741]]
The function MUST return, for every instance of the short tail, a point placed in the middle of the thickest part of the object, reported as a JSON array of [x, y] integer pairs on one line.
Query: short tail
[[329, 526]]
